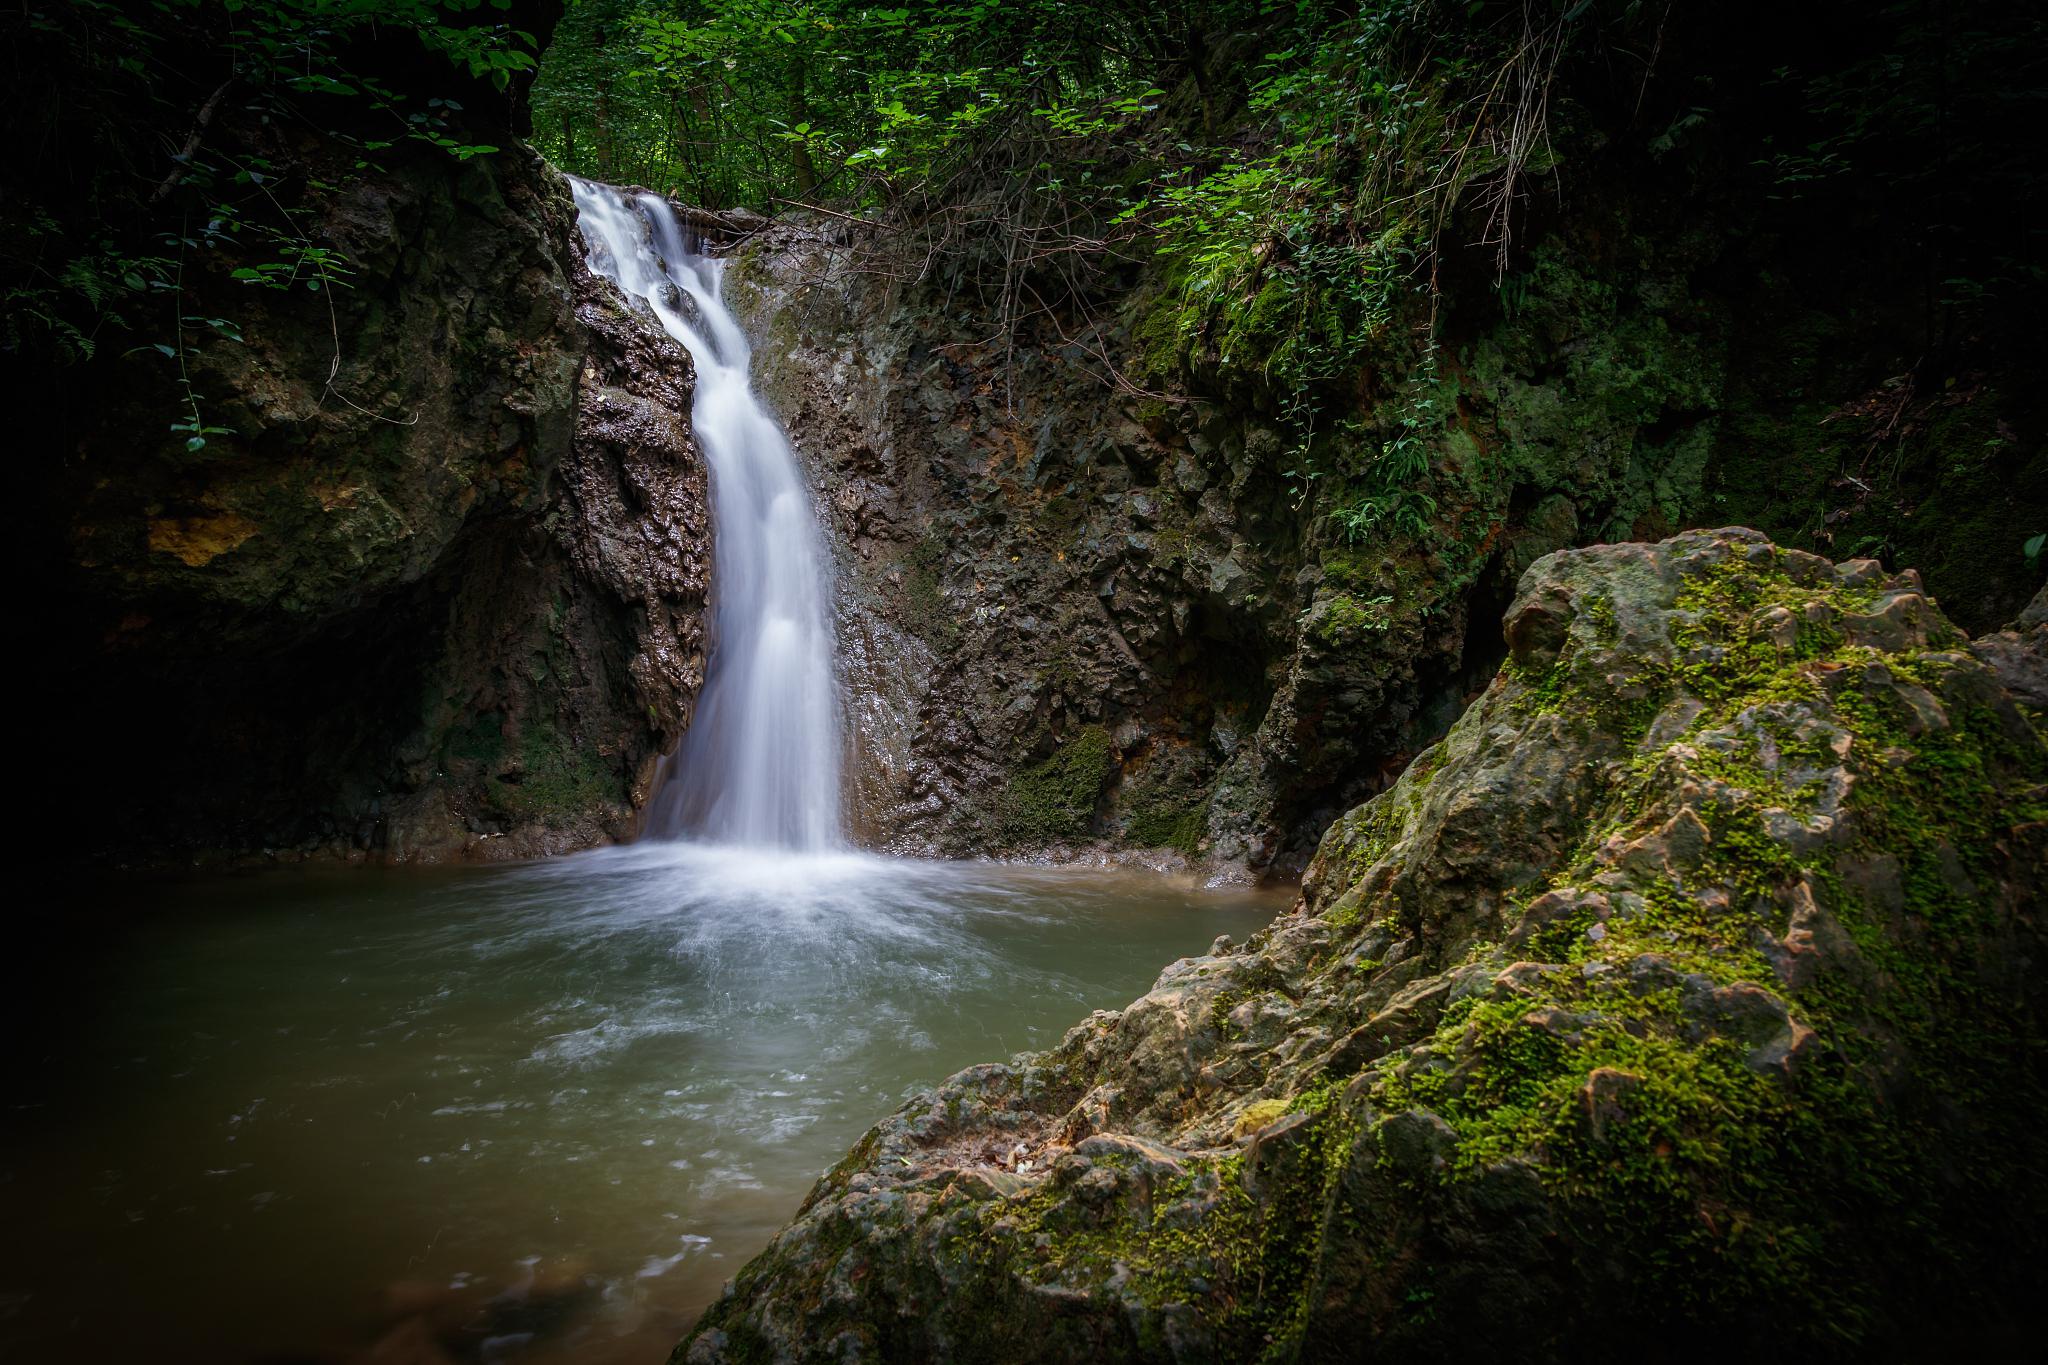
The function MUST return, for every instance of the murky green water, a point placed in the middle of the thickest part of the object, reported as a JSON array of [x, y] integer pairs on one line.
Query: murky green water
[[535, 1113]]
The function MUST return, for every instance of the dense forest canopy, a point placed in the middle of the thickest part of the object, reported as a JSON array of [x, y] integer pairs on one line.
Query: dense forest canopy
[[1292, 188], [1332, 139], [1285, 123], [1298, 181], [1219, 127]]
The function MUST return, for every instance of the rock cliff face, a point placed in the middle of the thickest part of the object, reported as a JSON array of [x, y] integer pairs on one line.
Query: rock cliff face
[[1683, 998], [1075, 613], [434, 590], [1072, 616]]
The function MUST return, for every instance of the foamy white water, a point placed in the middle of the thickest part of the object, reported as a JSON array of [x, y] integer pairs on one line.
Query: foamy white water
[[760, 764]]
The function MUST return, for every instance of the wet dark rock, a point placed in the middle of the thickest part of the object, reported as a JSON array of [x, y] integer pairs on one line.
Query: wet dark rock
[[1031, 554], [435, 593], [1536, 629], [2019, 655]]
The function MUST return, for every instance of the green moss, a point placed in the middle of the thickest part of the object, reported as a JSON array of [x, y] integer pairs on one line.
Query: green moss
[[1627, 1117], [1180, 827], [1158, 342], [1057, 799], [1338, 620], [554, 780], [1349, 571], [1165, 803], [1543, 688], [1221, 1008], [480, 741], [1598, 609], [927, 612], [1366, 834], [1258, 1114], [1200, 1237], [1736, 1187]]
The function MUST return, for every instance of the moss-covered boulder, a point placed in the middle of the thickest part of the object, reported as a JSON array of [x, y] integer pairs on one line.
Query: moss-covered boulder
[[1683, 999]]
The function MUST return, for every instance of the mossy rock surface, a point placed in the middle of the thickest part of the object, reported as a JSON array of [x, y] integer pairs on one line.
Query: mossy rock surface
[[1682, 1000], [1055, 799]]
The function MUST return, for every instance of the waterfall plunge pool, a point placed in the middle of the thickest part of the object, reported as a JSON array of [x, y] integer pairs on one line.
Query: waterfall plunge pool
[[533, 1113]]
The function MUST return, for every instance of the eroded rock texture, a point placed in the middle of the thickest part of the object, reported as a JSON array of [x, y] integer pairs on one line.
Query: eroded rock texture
[[1684, 999], [1071, 615], [1082, 610], [434, 588]]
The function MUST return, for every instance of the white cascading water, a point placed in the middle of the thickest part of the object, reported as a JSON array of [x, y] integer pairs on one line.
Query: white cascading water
[[760, 763]]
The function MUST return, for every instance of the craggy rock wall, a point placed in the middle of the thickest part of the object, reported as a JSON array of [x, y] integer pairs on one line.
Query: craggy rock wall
[[1680, 1003], [435, 591], [1068, 618], [1075, 616]]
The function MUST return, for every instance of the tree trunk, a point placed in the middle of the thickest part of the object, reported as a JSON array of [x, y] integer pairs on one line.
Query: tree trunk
[[800, 154]]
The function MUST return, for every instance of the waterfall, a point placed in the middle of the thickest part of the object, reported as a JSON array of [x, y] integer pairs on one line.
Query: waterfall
[[760, 763]]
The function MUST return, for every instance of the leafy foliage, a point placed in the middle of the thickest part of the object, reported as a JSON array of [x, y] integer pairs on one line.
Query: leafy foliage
[[1291, 190], [1298, 186], [143, 169], [1290, 168], [732, 102]]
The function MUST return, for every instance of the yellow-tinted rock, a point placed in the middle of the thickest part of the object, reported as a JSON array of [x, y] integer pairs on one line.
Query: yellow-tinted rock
[[199, 540]]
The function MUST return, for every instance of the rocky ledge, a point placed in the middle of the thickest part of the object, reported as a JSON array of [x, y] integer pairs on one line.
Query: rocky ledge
[[1683, 998]]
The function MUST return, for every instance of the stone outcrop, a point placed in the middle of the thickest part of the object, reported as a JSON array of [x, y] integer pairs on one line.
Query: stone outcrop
[[1685, 998], [431, 590]]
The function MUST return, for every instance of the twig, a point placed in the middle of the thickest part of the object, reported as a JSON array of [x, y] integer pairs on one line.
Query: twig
[[183, 160], [829, 213], [333, 318]]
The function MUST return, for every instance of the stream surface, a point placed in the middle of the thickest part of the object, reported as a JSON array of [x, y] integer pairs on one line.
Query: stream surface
[[539, 1112]]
